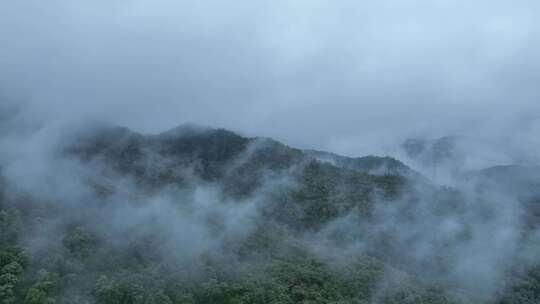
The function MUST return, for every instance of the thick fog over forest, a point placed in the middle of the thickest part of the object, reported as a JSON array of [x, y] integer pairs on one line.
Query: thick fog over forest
[[374, 152]]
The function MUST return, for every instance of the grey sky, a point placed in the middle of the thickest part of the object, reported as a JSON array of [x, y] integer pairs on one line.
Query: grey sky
[[348, 76]]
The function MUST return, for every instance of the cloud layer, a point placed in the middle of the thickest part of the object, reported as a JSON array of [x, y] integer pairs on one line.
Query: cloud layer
[[348, 76]]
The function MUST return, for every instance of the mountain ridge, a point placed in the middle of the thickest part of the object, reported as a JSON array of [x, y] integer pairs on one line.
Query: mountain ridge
[[206, 216]]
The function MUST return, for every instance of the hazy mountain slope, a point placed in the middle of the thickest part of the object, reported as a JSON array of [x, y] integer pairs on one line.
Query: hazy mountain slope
[[200, 215], [367, 164], [521, 182], [212, 155]]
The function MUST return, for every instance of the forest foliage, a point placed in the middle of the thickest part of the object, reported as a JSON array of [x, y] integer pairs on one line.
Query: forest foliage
[[275, 261]]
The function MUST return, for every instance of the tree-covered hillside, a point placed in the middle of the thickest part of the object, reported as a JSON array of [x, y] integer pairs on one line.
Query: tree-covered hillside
[[197, 215]]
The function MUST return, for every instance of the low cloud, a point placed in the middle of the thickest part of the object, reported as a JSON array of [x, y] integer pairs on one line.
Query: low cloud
[[350, 77]]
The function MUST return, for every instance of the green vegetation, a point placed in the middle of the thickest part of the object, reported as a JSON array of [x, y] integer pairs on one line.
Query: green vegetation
[[276, 261]]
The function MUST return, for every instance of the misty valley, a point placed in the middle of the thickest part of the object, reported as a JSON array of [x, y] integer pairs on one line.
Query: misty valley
[[269, 152], [101, 214]]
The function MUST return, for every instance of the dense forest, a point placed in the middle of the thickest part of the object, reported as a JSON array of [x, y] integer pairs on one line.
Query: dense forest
[[196, 215]]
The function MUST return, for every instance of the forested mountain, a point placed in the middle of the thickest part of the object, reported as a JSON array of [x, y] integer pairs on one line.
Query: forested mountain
[[201, 215], [368, 164]]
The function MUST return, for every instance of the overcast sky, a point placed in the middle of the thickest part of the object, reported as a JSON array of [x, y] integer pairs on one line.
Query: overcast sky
[[348, 76]]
